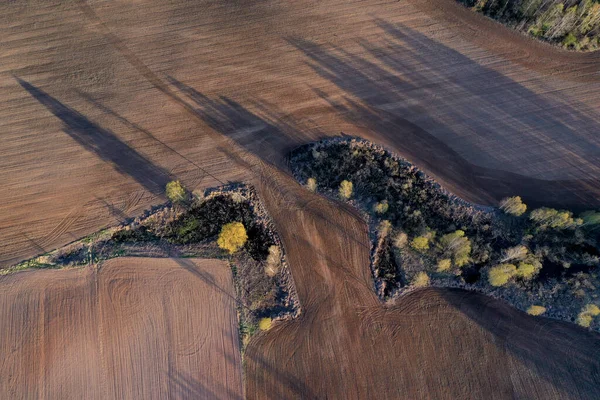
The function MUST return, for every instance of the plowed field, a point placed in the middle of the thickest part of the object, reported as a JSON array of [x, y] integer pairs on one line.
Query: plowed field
[[90, 133], [432, 344], [135, 328], [103, 102]]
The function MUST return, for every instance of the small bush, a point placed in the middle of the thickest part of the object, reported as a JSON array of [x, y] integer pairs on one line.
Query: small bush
[[569, 40], [550, 218], [444, 265], [311, 184], [232, 237], [526, 270], [514, 253], [381, 207], [536, 310], [513, 206], [586, 315], [421, 279], [345, 189], [237, 198], [175, 192], [273, 261], [457, 245], [384, 228], [265, 324], [400, 240], [501, 274], [420, 243], [590, 218]]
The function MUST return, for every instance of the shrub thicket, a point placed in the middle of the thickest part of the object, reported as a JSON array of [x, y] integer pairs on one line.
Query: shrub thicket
[[573, 24], [204, 220], [387, 270], [432, 230]]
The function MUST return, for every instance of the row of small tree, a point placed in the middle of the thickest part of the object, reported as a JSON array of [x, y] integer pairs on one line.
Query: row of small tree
[[424, 220], [232, 237]]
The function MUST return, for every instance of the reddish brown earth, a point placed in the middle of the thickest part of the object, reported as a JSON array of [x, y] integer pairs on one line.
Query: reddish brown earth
[[487, 114], [432, 344], [134, 328], [103, 103]]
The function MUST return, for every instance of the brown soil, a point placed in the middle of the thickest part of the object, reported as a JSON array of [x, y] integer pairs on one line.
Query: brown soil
[[433, 344], [90, 136], [103, 104], [133, 328]]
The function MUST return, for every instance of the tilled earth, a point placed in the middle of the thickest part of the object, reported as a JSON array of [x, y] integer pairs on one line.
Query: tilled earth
[[104, 102], [133, 328]]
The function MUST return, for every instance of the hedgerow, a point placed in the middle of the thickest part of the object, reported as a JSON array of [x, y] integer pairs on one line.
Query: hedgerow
[[509, 250]]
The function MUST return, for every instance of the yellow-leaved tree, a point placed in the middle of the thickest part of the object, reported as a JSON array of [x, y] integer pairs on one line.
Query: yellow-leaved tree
[[346, 189], [232, 237], [175, 192]]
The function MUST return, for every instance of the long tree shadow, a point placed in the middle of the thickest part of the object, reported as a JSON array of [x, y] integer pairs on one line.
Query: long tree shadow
[[104, 143], [185, 386], [396, 98], [565, 355], [266, 132], [204, 276], [254, 133], [266, 136], [286, 384], [467, 124]]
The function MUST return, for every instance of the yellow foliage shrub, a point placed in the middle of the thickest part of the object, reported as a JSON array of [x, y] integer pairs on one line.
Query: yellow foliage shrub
[[420, 243], [265, 324], [526, 270], [175, 191], [232, 237], [421, 279], [536, 310], [381, 208], [346, 189], [444, 265], [501, 274], [587, 315]]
